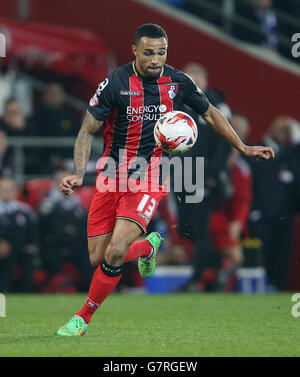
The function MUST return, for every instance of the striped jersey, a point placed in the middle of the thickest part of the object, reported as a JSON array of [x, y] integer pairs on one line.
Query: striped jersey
[[130, 104]]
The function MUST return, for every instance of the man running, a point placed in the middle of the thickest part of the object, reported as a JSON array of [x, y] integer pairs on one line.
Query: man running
[[128, 103]]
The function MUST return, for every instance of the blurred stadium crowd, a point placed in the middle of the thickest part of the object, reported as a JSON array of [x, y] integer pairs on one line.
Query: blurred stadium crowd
[[266, 23], [245, 219]]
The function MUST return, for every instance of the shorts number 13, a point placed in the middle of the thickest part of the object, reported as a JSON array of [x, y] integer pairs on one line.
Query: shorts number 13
[[149, 210]]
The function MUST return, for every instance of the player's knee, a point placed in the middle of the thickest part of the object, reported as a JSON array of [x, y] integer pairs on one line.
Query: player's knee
[[116, 251]]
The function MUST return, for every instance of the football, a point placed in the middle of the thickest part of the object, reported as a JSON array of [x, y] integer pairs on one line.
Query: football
[[175, 132]]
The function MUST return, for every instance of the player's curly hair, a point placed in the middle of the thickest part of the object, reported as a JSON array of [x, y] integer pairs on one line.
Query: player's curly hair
[[150, 31]]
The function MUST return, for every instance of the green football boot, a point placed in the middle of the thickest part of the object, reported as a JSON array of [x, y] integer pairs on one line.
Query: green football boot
[[75, 327], [147, 265]]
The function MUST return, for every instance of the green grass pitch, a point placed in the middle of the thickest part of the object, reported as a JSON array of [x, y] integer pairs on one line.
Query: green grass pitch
[[184, 325]]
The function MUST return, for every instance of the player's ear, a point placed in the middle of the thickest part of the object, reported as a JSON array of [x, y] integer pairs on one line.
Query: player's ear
[[133, 48]]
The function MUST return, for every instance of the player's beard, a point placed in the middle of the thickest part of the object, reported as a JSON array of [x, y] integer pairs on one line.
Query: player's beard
[[155, 75], [149, 73]]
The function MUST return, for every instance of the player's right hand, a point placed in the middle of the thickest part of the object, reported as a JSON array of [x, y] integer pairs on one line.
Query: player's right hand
[[69, 183]]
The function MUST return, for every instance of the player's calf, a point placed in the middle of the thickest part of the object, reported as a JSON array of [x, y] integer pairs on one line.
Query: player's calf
[[116, 251]]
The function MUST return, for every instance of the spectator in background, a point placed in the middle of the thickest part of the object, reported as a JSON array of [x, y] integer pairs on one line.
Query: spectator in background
[[13, 120], [15, 124], [230, 218], [276, 191], [62, 226], [53, 119], [194, 218], [200, 75], [18, 240], [6, 163], [262, 17]]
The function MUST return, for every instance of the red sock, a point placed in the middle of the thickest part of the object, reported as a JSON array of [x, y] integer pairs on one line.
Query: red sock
[[138, 249], [101, 286]]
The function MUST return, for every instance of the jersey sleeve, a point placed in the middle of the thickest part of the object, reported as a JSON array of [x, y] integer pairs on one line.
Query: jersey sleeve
[[103, 101], [193, 95]]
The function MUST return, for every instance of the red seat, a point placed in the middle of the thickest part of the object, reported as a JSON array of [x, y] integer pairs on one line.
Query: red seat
[[34, 191]]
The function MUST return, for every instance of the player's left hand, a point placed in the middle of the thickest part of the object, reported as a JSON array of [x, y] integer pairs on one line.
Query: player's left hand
[[262, 153], [69, 183]]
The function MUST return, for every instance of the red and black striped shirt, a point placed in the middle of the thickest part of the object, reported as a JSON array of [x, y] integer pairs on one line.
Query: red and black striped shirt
[[130, 104]]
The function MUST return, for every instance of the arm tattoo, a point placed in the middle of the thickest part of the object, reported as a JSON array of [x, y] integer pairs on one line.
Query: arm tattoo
[[83, 143]]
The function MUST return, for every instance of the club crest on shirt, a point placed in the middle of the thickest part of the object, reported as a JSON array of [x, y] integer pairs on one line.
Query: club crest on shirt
[[172, 90]]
